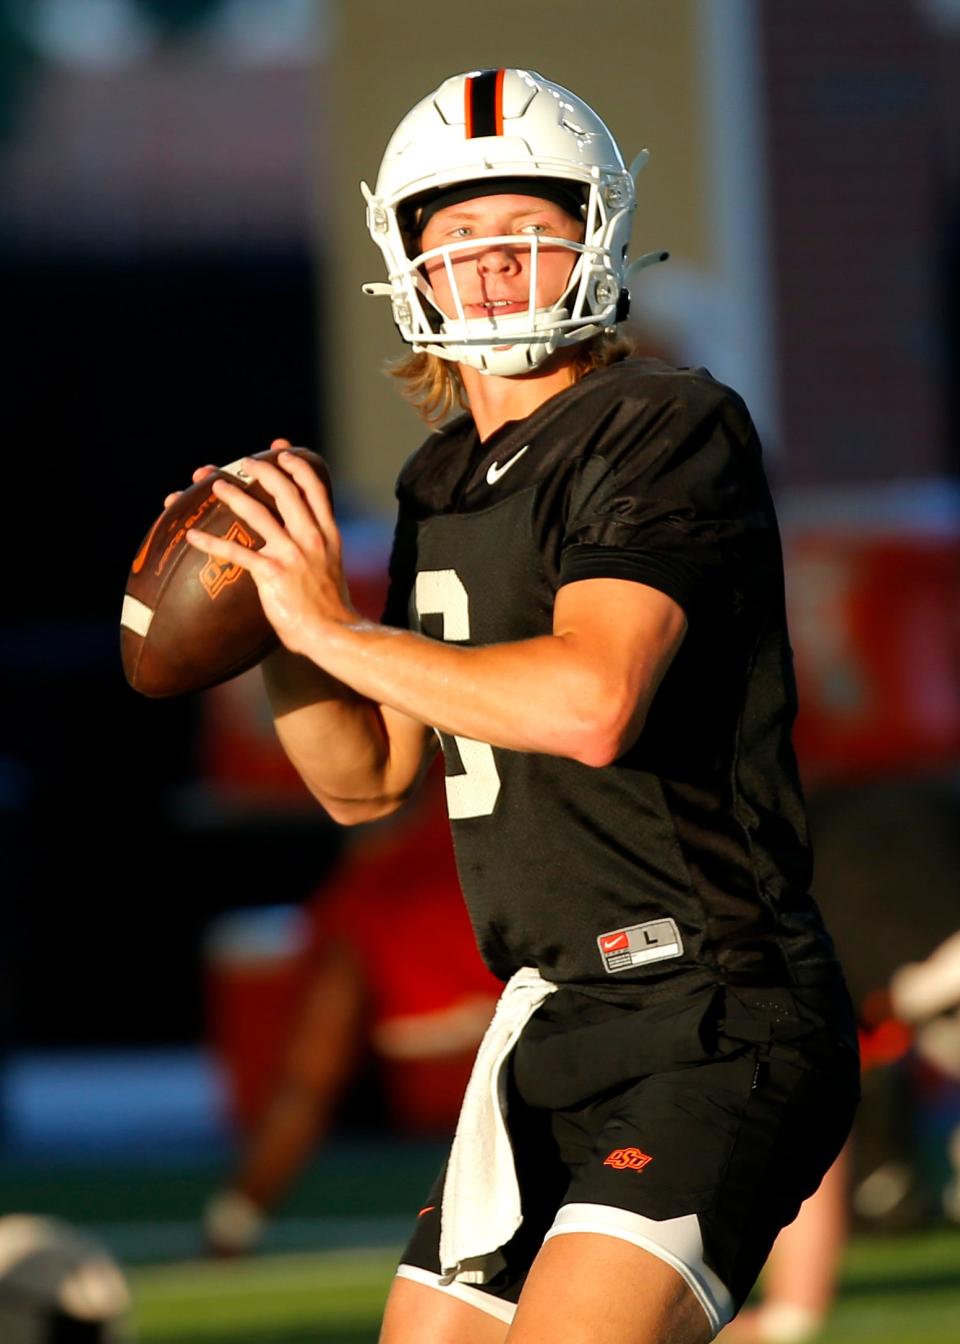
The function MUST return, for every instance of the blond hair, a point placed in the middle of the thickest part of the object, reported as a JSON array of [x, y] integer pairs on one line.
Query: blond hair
[[435, 388]]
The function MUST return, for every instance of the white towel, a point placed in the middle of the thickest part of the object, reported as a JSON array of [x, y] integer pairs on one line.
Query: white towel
[[481, 1198]]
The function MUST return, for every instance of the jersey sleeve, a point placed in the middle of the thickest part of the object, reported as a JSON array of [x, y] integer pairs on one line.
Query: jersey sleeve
[[668, 498]]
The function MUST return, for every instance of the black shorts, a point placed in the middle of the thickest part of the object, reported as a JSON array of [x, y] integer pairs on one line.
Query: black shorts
[[694, 1129]]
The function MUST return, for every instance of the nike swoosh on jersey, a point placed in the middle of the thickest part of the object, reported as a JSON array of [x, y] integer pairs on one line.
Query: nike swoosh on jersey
[[495, 471], [614, 940]]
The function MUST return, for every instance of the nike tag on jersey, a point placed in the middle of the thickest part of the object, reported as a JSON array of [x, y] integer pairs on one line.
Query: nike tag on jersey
[[495, 471], [622, 949]]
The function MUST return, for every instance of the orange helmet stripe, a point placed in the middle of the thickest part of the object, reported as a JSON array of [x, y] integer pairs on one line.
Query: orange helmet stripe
[[483, 104]]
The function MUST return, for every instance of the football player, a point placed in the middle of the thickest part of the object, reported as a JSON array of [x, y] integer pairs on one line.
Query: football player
[[586, 608]]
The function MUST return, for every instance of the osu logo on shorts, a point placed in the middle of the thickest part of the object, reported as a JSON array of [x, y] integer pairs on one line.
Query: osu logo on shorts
[[627, 1157], [215, 574]]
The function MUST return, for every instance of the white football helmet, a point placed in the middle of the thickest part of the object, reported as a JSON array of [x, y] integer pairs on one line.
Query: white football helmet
[[58, 1283], [515, 127]]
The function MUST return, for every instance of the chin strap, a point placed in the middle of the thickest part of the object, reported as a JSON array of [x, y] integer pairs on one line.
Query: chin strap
[[641, 263], [648, 259]]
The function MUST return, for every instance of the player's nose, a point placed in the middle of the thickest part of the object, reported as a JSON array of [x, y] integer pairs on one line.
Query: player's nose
[[497, 259]]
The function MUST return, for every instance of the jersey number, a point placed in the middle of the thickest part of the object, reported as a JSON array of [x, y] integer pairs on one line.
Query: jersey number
[[440, 592]]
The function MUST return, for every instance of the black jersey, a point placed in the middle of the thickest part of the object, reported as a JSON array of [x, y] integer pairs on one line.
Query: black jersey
[[685, 861]]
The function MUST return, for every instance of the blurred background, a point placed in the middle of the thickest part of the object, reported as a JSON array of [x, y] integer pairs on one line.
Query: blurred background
[[182, 245]]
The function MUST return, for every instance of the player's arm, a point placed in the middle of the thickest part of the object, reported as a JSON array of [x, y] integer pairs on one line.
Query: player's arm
[[359, 758], [583, 691]]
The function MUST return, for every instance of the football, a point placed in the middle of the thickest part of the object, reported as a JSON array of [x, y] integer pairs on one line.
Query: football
[[189, 621]]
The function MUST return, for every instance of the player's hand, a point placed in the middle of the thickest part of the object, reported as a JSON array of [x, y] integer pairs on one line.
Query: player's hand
[[201, 473], [299, 569]]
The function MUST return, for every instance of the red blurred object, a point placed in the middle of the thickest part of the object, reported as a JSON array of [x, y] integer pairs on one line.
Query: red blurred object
[[396, 902], [255, 975], [240, 761], [875, 626], [883, 1037]]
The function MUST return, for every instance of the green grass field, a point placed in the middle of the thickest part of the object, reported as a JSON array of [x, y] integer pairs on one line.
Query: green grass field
[[329, 1256], [333, 1297], [895, 1290]]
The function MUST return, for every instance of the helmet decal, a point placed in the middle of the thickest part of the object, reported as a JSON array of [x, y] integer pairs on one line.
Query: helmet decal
[[483, 103]]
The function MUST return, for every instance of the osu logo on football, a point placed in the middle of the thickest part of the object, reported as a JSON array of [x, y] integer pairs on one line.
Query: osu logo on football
[[215, 574], [627, 1157]]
